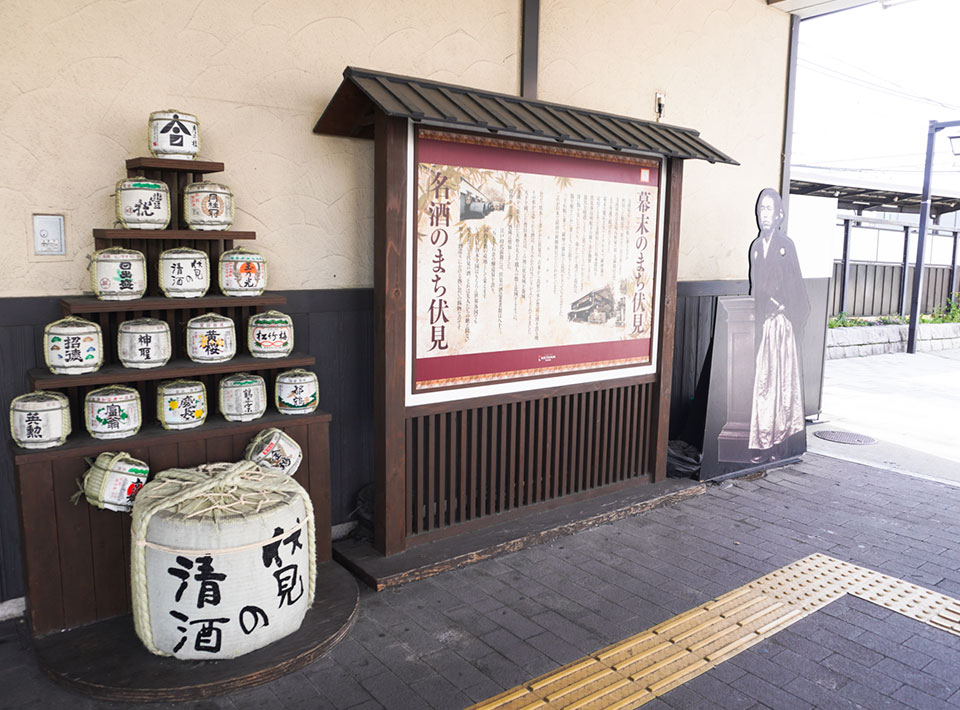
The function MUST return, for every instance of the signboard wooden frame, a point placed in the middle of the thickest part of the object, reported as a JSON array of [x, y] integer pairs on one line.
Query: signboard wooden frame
[[394, 415]]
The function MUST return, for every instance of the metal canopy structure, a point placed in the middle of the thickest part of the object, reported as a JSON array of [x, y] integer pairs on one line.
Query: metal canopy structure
[[861, 199], [351, 112]]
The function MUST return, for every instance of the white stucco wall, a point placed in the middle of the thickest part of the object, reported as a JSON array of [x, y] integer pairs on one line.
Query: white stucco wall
[[723, 68], [80, 78]]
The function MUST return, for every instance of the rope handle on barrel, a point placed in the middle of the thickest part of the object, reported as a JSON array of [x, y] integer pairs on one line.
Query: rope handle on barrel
[[222, 550]]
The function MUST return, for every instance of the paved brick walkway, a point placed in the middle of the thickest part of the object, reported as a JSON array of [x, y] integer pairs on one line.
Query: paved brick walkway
[[467, 635]]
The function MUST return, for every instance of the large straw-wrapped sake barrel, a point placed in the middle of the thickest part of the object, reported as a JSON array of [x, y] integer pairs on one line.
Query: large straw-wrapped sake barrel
[[222, 560]]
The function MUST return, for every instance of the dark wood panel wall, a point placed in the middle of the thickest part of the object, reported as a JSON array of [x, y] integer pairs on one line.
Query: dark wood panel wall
[[696, 315], [334, 325]]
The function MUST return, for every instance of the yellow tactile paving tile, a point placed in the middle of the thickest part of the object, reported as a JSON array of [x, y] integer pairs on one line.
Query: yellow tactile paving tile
[[633, 671]]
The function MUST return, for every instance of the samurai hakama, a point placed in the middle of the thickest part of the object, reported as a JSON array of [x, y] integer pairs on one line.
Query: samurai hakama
[[781, 309]]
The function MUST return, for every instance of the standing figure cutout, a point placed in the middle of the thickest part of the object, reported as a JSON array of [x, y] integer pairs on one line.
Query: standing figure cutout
[[781, 309]]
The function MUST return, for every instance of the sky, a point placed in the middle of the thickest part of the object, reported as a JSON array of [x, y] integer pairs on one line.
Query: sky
[[869, 81]]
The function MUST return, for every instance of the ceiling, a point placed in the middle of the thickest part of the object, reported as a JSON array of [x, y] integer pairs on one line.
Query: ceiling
[[812, 8]]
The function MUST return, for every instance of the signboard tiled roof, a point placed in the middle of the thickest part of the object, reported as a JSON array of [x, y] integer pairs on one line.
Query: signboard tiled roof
[[349, 113]]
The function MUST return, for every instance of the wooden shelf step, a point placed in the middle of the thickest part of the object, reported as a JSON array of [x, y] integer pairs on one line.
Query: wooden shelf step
[[42, 379], [173, 234], [181, 166], [82, 444], [74, 305]]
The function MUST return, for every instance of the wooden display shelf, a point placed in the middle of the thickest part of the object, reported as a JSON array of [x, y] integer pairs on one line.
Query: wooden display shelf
[[91, 304], [174, 234], [42, 379], [81, 444], [181, 166], [106, 660]]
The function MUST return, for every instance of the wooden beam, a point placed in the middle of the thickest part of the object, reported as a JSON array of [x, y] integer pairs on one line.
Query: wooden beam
[[668, 298], [389, 308], [529, 44]]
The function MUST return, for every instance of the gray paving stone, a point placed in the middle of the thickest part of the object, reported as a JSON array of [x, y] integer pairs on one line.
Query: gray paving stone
[[391, 692], [767, 694], [721, 694]]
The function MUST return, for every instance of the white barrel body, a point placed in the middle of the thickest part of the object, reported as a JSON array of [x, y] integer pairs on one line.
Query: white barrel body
[[181, 404], [242, 273], [211, 338], [114, 479], [143, 203], [275, 450], [208, 206], [40, 420], [243, 397], [118, 274], [221, 565], [173, 134], [143, 343], [270, 334], [184, 273], [296, 392], [73, 346], [112, 412]]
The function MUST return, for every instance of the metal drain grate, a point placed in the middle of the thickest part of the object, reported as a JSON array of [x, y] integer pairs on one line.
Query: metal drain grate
[[845, 437]]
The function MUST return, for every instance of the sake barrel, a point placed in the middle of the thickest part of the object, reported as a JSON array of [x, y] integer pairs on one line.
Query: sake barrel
[[114, 480], [211, 338], [208, 206], [222, 562], [275, 450], [242, 273], [296, 392], [72, 346], [143, 203], [270, 334], [112, 412], [143, 343], [40, 420], [181, 404], [118, 274], [173, 134], [184, 272], [243, 397]]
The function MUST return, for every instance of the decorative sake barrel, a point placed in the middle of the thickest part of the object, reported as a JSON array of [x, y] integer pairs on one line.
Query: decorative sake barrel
[[40, 420], [173, 134], [118, 274], [114, 480], [242, 273], [184, 273], [112, 412], [208, 206], [275, 450], [181, 404], [270, 334], [296, 392], [211, 338], [243, 397], [143, 203], [222, 561], [72, 346], [143, 343]]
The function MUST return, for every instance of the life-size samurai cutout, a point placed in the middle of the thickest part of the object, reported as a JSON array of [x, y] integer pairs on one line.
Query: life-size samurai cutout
[[781, 310]]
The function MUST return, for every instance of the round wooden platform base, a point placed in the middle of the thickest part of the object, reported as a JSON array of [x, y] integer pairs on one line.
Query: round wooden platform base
[[106, 660]]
